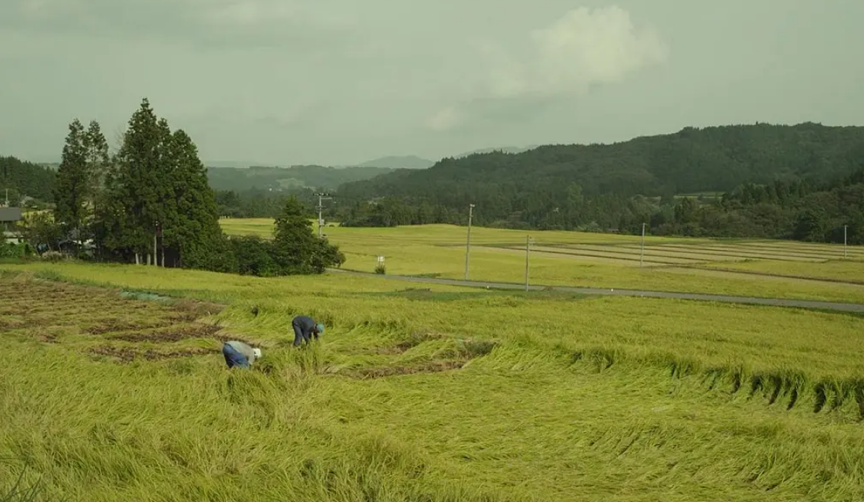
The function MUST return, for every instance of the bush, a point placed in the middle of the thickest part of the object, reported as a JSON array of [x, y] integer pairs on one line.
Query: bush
[[380, 269], [14, 251], [254, 256]]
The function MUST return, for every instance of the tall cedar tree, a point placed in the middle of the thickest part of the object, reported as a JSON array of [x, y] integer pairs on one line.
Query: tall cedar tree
[[193, 229], [97, 157], [156, 186], [144, 179], [73, 189]]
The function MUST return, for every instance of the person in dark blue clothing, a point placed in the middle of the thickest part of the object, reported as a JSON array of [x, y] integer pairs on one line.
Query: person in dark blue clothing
[[305, 328], [239, 354]]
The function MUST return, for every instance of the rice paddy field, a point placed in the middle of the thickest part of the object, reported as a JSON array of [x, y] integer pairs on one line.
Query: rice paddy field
[[114, 388], [768, 269]]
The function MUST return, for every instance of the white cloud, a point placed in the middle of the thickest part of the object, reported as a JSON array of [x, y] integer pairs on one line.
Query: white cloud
[[585, 47]]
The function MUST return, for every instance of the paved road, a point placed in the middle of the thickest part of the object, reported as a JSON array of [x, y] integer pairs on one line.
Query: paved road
[[775, 302]]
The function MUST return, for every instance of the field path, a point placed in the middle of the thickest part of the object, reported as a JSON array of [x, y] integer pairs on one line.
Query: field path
[[774, 302]]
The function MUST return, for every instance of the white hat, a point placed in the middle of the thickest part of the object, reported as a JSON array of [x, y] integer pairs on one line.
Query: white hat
[[257, 353]]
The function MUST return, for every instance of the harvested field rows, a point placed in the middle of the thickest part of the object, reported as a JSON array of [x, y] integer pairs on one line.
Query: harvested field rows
[[98, 321]]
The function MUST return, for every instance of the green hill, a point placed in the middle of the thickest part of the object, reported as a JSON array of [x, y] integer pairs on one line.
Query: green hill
[[622, 185], [692, 160], [23, 178]]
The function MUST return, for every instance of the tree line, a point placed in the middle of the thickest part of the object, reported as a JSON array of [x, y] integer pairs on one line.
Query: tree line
[[150, 203]]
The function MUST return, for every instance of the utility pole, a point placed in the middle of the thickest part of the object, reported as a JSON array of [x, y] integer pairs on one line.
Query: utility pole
[[642, 247], [7, 197], [844, 241], [468, 241], [321, 197], [527, 252]]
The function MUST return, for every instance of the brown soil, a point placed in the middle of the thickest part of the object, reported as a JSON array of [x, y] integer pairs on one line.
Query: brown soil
[[127, 354], [171, 335], [114, 326]]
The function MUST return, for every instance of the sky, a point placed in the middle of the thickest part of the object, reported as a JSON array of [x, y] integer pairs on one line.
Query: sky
[[335, 82]]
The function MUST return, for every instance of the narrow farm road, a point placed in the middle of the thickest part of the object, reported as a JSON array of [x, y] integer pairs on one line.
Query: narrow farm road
[[774, 302]]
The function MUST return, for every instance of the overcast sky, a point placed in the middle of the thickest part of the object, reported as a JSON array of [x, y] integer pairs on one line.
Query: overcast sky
[[344, 81]]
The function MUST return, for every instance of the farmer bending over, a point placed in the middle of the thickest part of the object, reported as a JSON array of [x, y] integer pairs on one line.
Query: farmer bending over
[[304, 329], [239, 354]]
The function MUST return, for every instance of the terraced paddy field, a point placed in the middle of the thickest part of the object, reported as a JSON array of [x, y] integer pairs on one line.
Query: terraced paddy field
[[776, 269], [113, 389]]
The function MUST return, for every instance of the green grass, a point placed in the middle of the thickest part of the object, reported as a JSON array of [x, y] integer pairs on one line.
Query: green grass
[[417, 393]]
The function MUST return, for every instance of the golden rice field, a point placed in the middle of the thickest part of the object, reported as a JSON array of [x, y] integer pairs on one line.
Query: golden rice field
[[773, 269], [113, 387]]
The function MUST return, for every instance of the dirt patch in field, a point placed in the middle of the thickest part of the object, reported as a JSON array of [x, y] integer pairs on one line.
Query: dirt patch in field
[[114, 326], [124, 354], [34, 303], [171, 335]]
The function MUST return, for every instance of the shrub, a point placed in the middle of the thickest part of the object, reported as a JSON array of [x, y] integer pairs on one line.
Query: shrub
[[254, 256], [13, 251]]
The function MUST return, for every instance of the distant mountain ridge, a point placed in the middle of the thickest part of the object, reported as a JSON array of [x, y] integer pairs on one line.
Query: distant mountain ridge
[[398, 162]]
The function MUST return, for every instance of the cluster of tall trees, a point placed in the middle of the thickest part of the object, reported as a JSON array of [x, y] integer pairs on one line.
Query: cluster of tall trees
[[151, 203]]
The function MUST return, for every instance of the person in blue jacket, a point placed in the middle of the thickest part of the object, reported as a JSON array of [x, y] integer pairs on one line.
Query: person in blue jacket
[[305, 328]]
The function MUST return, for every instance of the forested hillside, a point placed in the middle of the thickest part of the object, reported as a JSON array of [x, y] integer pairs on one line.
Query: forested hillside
[[692, 160], [25, 179], [623, 185], [290, 178]]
